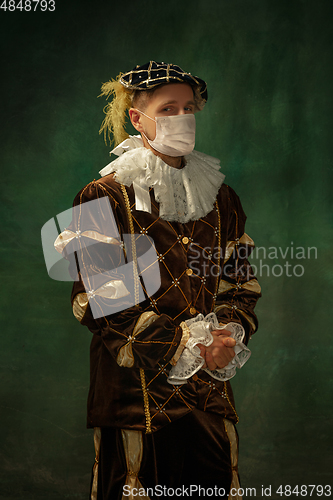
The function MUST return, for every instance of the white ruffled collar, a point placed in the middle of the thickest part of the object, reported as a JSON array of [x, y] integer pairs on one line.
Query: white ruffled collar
[[183, 194]]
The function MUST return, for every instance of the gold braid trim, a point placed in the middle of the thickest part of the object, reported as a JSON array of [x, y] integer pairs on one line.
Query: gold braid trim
[[115, 111], [135, 262], [219, 257], [136, 295], [145, 401]]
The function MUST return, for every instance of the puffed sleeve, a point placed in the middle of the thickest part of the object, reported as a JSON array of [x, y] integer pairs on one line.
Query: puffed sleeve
[[238, 289], [107, 295]]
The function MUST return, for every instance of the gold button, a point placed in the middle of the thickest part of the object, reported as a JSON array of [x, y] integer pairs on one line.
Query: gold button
[[193, 310], [189, 272], [185, 240]]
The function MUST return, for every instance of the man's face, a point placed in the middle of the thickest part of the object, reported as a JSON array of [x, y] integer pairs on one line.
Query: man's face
[[167, 100]]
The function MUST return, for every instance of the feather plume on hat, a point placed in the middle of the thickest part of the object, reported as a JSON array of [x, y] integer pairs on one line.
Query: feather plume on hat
[[113, 125]]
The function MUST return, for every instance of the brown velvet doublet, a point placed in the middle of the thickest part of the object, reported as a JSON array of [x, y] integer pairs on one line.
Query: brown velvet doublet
[[202, 267]]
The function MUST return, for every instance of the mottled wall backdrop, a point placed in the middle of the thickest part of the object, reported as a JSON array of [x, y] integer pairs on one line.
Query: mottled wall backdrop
[[268, 65]]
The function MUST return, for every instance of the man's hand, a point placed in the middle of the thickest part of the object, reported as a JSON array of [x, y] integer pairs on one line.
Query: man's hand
[[220, 352]]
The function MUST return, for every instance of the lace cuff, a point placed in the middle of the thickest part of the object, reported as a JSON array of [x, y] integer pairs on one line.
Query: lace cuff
[[242, 354], [191, 361]]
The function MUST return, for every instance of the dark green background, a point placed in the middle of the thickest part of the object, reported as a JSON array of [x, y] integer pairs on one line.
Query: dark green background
[[268, 65]]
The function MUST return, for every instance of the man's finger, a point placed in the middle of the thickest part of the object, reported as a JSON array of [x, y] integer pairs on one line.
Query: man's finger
[[221, 332], [229, 342], [210, 362]]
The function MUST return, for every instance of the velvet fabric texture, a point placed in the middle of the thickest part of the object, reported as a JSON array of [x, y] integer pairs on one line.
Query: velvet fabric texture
[[201, 460], [192, 262]]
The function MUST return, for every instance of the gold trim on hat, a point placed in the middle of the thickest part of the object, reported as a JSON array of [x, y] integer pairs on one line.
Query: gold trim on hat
[[153, 81], [150, 65]]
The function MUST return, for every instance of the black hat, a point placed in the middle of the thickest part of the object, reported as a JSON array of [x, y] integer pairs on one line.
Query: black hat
[[154, 73]]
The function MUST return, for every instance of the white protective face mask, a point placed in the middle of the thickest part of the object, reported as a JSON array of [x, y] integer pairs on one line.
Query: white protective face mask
[[175, 135]]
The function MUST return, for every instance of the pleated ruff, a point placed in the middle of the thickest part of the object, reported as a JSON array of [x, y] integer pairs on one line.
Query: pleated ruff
[[184, 194]]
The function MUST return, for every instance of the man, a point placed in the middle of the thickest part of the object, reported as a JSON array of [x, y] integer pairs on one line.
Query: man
[[164, 285]]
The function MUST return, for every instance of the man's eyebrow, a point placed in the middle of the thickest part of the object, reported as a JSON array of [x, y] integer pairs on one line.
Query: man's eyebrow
[[175, 101], [168, 102]]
